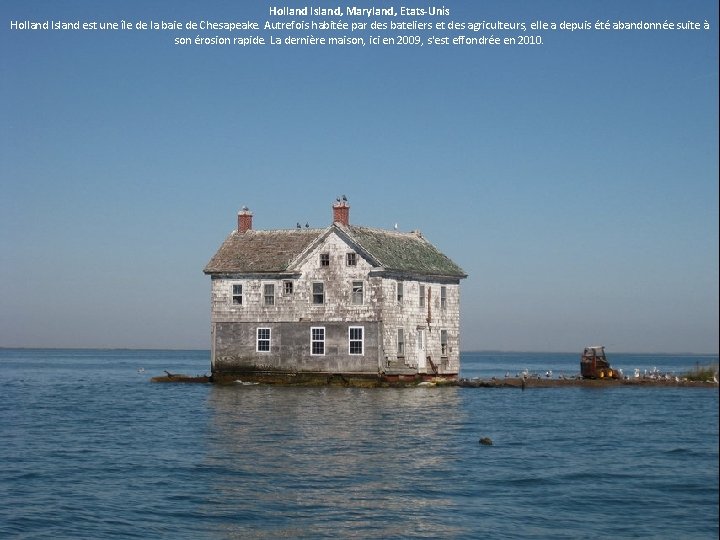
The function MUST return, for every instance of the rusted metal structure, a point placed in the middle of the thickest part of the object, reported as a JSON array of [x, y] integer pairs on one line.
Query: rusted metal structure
[[594, 364]]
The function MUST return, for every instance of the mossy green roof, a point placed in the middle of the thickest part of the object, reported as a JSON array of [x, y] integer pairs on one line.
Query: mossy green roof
[[404, 252], [257, 251]]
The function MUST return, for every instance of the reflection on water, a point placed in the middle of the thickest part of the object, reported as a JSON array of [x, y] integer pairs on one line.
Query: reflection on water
[[406, 462], [305, 460], [91, 449]]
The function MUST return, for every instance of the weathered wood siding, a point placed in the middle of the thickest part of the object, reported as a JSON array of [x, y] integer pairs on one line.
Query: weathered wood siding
[[337, 279], [291, 315], [412, 317], [290, 350]]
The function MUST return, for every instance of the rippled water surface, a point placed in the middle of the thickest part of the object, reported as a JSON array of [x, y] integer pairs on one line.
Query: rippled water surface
[[91, 449]]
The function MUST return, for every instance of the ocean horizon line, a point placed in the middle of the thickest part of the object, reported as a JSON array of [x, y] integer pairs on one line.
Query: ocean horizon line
[[468, 351]]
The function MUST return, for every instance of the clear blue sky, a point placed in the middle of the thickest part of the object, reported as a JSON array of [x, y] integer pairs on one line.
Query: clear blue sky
[[576, 183]]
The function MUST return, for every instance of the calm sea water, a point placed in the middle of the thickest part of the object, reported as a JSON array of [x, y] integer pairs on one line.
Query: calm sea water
[[90, 449]]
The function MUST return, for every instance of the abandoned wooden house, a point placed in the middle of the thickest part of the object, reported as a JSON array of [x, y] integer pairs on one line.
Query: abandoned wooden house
[[308, 305]]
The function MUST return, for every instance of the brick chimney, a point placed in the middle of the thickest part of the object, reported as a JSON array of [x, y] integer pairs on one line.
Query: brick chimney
[[244, 220], [341, 211]]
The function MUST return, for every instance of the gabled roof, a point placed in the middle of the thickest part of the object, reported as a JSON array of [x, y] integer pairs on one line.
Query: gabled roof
[[261, 251], [404, 252], [281, 250]]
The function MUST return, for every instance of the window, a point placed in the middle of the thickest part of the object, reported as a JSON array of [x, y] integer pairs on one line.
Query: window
[[443, 343], [355, 335], [318, 296], [324, 259], [357, 292], [288, 287], [401, 342], [237, 296], [269, 294], [421, 296], [317, 341], [351, 259], [443, 297], [399, 292], [263, 340]]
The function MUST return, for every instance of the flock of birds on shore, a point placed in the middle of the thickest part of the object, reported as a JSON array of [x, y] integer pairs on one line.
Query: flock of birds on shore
[[654, 375]]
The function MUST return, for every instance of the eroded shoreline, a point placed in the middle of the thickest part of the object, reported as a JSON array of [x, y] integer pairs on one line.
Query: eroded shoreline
[[507, 382]]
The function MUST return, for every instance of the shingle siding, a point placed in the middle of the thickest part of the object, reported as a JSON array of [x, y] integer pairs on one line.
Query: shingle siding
[[412, 317], [235, 348], [257, 260]]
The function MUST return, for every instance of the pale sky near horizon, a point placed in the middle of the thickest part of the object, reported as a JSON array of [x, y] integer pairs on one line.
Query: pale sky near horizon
[[576, 182]]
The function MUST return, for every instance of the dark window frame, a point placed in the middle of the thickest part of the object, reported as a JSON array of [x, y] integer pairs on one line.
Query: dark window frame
[[268, 299], [318, 295], [358, 293], [236, 299]]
